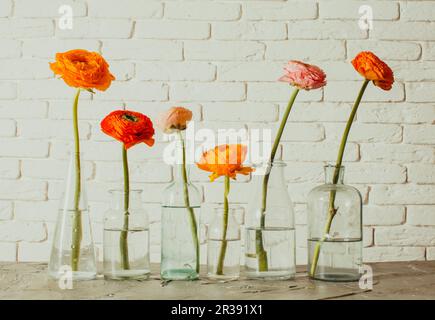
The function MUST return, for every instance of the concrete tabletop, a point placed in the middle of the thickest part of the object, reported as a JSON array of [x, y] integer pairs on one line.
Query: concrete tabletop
[[393, 280]]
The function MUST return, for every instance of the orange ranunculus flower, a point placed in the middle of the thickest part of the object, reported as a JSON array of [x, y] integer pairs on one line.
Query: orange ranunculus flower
[[176, 118], [225, 160], [372, 68], [129, 127], [83, 69]]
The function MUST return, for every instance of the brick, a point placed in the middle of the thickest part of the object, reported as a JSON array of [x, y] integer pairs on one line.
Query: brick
[[324, 29], [43, 129], [405, 236], [403, 31], [47, 48], [421, 173], [290, 10], [47, 8], [223, 50], [135, 90], [397, 153], [339, 91], [401, 113], [429, 51], [34, 252], [6, 210], [414, 71], [7, 128], [97, 29], [430, 253], [116, 9], [379, 254], [249, 71], [420, 215], [339, 70], [48, 89], [22, 231], [386, 133], [306, 50], [317, 152], [8, 251], [249, 31], [5, 8], [51, 169], [345, 9], [26, 28], [19, 110], [375, 173], [202, 11], [23, 190], [10, 48], [296, 172], [8, 90], [302, 132], [11, 69], [36, 210], [149, 173], [9, 168], [88, 110], [267, 92], [175, 71], [368, 237], [24, 148], [154, 29], [386, 50], [420, 92], [383, 215], [418, 11], [240, 112], [143, 50], [320, 112], [419, 134], [207, 92], [403, 194]]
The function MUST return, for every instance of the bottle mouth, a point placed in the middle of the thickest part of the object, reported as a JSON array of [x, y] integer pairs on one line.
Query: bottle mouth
[[276, 163]]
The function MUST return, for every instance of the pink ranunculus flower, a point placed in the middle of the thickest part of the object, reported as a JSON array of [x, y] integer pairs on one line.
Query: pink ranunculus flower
[[303, 75], [176, 118]]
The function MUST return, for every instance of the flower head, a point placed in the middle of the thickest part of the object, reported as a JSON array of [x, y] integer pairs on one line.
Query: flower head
[[83, 69], [129, 127], [372, 68], [176, 118], [225, 160], [303, 76]]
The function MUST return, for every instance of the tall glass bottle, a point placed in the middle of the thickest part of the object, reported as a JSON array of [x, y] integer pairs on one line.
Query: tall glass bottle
[[270, 250], [334, 230], [180, 228], [73, 247], [126, 238]]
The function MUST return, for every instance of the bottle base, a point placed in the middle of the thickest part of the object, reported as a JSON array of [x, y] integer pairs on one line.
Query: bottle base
[[223, 278], [336, 277], [179, 275], [270, 275], [74, 275], [128, 275]]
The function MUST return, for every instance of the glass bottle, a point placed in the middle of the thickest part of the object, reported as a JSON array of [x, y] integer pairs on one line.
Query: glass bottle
[[334, 241], [126, 238], [180, 229], [73, 252], [223, 245], [270, 249]]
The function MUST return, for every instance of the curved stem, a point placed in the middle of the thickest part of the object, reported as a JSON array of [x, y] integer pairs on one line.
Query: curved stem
[[332, 210], [224, 244], [261, 252], [123, 242], [192, 218], [77, 218]]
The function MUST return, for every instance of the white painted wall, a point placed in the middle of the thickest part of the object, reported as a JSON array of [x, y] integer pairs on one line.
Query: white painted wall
[[222, 59]]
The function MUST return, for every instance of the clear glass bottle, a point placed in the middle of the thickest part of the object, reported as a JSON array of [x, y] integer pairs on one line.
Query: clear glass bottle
[[73, 250], [180, 229], [334, 241], [270, 249], [223, 245], [126, 238]]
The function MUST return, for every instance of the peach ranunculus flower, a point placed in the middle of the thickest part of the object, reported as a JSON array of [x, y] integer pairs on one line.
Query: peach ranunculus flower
[[176, 118], [374, 69], [225, 160], [129, 127], [83, 69], [303, 75]]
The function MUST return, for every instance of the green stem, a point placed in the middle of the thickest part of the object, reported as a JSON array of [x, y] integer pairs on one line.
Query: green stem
[[123, 243], [220, 265], [77, 218], [192, 218], [261, 252], [332, 210]]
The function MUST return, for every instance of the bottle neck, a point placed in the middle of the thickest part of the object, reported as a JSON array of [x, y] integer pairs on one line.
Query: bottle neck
[[178, 173], [276, 174], [334, 175]]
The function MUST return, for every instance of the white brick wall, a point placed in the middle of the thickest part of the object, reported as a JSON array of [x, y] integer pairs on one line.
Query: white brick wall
[[221, 58]]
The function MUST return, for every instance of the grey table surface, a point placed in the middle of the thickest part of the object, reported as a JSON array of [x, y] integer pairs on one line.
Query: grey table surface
[[393, 280]]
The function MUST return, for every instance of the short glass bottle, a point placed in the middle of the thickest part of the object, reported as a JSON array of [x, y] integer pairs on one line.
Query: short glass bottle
[[73, 250], [270, 229], [180, 244], [126, 238], [334, 229], [224, 244]]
